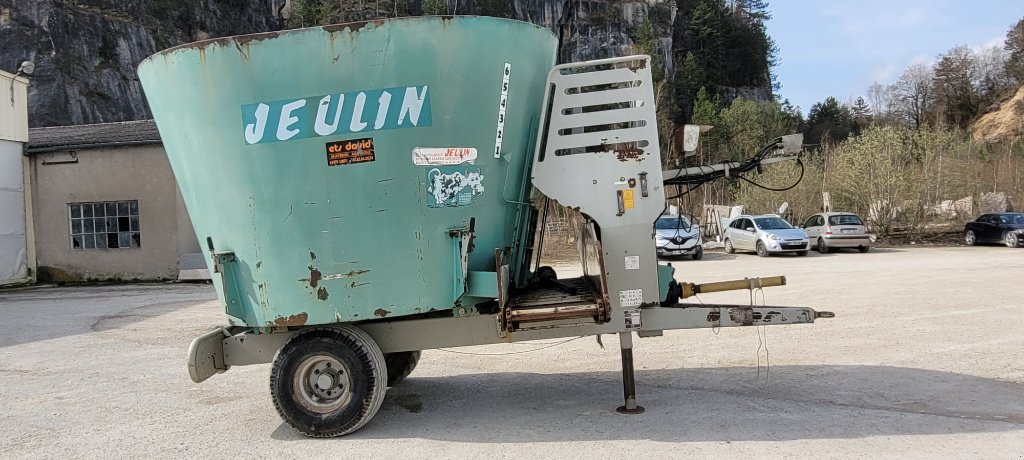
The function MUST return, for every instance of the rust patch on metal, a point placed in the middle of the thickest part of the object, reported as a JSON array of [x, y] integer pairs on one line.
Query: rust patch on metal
[[351, 26], [629, 153], [297, 319], [314, 277], [322, 293], [243, 39], [380, 312], [312, 255], [742, 315]]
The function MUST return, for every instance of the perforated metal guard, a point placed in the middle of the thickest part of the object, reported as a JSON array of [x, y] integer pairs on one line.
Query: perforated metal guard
[[600, 139]]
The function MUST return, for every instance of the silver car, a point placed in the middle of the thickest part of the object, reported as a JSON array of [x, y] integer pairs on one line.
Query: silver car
[[765, 234], [832, 230], [678, 236]]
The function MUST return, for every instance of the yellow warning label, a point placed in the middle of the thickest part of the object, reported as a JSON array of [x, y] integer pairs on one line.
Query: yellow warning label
[[627, 199]]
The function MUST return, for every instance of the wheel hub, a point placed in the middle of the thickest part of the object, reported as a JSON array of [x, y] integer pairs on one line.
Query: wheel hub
[[321, 384]]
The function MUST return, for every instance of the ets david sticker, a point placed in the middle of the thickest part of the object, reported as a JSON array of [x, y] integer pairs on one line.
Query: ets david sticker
[[351, 151]]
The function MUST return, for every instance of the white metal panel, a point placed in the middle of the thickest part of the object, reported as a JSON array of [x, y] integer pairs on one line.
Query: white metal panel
[[622, 143], [13, 115], [13, 243]]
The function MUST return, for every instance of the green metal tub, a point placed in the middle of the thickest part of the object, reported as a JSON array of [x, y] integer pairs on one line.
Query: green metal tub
[[344, 173]]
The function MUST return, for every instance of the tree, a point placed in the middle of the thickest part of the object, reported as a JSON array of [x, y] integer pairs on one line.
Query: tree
[[1015, 46], [913, 93], [882, 101], [828, 121], [752, 124], [861, 114], [956, 93], [992, 79]]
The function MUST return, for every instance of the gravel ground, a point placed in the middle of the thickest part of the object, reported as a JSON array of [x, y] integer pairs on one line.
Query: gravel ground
[[922, 361]]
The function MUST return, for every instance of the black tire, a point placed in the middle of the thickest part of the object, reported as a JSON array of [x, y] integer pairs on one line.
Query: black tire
[[1011, 240], [352, 365], [400, 365], [970, 238], [801, 253], [822, 247], [761, 250], [863, 249], [729, 249], [699, 254]]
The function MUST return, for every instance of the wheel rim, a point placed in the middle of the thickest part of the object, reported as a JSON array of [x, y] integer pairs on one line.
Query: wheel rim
[[821, 246], [322, 384], [969, 237], [728, 246], [760, 249], [1011, 239]]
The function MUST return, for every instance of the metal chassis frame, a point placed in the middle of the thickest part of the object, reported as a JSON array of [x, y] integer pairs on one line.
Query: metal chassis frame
[[221, 348]]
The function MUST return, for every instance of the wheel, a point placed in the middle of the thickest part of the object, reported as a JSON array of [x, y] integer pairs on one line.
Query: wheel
[[328, 381], [1011, 239], [822, 247], [400, 365], [761, 250], [699, 254], [801, 253], [864, 249], [969, 238], [728, 246]]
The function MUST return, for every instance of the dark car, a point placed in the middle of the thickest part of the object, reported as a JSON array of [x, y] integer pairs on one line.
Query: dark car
[[1006, 228]]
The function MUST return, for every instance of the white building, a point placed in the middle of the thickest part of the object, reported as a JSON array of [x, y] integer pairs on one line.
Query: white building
[[16, 245]]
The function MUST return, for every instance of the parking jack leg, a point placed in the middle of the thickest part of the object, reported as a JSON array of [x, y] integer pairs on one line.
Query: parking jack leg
[[628, 382]]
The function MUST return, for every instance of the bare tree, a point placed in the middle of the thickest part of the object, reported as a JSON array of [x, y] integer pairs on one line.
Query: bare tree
[[913, 94], [882, 101]]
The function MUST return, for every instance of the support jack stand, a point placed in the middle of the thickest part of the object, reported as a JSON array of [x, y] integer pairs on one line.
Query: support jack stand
[[628, 382]]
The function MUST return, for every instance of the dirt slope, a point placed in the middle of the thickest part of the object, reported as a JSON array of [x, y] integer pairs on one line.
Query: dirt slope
[[1006, 123]]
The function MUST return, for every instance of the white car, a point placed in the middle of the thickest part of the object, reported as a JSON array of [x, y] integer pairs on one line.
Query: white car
[[765, 234], [678, 236], [833, 230]]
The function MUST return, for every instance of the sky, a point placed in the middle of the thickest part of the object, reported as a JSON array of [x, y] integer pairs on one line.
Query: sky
[[839, 48]]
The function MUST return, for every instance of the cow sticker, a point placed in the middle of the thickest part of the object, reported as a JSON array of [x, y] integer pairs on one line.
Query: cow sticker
[[453, 186]]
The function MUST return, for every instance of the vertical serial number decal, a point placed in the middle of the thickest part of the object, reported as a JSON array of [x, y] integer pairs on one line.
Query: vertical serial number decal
[[501, 109]]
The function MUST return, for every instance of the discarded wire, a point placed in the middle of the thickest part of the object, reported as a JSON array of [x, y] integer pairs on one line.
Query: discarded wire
[[762, 340], [716, 327], [512, 352]]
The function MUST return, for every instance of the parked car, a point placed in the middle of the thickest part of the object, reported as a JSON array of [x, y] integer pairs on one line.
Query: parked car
[[833, 230], [1006, 228], [765, 234], [678, 236]]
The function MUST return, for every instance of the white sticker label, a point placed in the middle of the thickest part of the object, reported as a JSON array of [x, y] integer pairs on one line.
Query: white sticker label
[[443, 156], [633, 319], [632, 262], [631, 298], [502, 102]]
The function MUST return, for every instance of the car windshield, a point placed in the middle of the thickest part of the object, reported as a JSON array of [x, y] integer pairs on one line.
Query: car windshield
[[671, 223], [771, 223], [845, 220]]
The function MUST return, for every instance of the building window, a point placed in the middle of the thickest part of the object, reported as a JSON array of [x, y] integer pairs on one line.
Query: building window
[[104, 225]]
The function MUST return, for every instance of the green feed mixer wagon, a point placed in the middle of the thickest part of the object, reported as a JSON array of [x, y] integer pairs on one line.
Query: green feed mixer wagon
[[363, 192]]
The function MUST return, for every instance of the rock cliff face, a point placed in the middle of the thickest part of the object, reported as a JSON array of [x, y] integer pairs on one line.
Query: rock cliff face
[[86, 51]]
